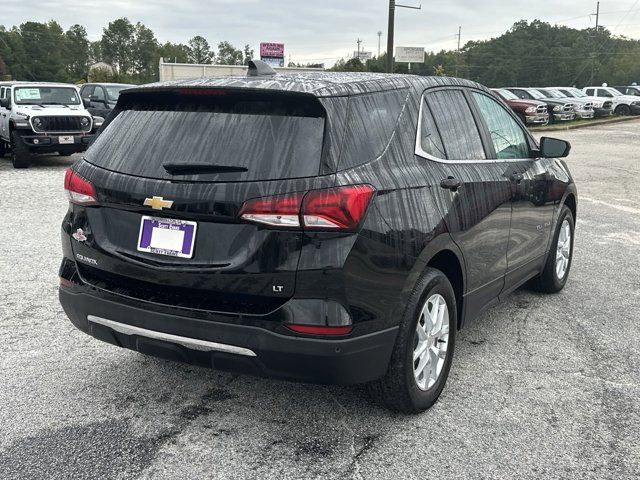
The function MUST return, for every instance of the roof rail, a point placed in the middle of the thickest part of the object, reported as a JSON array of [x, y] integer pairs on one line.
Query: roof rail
[[258, 68]]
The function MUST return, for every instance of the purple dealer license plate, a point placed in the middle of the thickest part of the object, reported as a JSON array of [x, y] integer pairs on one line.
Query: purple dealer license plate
[[167, 236]]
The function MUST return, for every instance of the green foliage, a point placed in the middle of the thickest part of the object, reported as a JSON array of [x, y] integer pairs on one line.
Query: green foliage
[[200, 51], [230, 55]]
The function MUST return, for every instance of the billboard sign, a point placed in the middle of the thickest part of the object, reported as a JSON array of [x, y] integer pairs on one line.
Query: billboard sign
[[409, 54], [270, 49], [364, 56], [273, 62]]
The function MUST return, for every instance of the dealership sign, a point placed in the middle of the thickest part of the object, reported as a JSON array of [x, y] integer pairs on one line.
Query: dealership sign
[[272, 50], [363, 55], [409, 54]]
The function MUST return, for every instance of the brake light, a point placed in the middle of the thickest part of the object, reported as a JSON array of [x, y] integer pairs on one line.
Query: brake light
[[320, 330], [78, 189], [277, 211], [338, 208]]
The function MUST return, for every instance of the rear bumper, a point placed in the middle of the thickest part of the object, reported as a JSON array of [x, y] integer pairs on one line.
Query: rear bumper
[[231, 346]]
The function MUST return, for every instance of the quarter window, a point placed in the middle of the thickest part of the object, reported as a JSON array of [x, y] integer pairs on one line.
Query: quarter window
[[457, 127], [507, 137], [430, 141]]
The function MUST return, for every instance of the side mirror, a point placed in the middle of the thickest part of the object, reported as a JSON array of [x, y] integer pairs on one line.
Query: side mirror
[[554, 147], [86, 102], [97, 122], [5, 103]]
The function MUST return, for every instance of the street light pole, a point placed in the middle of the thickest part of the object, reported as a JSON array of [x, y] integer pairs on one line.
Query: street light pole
[[390, 30]]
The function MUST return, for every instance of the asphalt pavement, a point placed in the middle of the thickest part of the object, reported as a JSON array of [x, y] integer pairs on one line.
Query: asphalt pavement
[[541, 386]]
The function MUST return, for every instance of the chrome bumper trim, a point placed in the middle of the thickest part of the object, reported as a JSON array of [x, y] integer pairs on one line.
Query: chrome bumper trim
[[193, 343]]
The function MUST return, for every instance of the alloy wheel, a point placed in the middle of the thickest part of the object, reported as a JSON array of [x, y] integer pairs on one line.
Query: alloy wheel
[[563, 250], [431, 341]]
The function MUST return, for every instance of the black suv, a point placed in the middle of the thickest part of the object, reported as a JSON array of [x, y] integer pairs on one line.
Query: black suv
[[296, 225]]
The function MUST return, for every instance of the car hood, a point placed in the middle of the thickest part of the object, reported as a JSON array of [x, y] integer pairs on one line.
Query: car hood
[[50, 110], [525, 103]]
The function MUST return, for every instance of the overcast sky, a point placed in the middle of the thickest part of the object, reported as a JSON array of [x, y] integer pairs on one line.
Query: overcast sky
[[324, 30]]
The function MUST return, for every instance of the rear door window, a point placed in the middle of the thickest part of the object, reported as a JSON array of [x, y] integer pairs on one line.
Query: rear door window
[[371, 122], [224, 137], [454, 120]]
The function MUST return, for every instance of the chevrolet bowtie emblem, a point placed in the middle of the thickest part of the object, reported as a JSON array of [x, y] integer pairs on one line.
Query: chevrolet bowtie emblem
[[157, 203]]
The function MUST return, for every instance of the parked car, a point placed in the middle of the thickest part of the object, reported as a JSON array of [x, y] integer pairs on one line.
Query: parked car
[[559, 110], [297, 226], [633, 90], [530, 112], [43, 118], [622, 104], [583, 108], [102, 97], [602, 107]]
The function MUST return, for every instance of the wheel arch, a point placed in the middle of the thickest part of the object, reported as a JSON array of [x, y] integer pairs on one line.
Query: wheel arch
[[442, 254]]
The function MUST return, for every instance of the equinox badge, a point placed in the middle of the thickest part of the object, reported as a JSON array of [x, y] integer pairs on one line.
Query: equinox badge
[[157, 203]]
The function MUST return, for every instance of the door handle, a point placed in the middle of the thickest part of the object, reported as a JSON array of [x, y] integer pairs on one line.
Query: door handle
[[451, 183], [516, 177]]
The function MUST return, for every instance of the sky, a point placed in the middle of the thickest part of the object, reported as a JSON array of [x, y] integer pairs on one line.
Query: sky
[[326, 30]]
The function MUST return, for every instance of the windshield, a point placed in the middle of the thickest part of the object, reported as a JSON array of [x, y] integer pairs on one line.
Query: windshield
[[536, 94], [46, 96], [113, 91], [507, 94], [549, 93], [574, 92]]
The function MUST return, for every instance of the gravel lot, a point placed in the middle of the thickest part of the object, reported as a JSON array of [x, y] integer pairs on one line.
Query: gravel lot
[[541, 386]]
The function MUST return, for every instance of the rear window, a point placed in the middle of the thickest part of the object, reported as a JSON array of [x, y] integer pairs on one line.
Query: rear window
[[216, 135]]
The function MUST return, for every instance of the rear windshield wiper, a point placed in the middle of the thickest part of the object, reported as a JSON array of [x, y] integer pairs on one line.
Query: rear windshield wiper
[[193, 168]]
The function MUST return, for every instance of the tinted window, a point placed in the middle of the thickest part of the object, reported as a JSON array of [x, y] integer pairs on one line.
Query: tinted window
[[456, 125], [604, 93], [508, 138], [87, 91], [372, 119], [98, 93], [589, 91], [430, 141], [271, 140]]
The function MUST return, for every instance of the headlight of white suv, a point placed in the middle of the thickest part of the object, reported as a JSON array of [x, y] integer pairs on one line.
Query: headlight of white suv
[[557, 108]]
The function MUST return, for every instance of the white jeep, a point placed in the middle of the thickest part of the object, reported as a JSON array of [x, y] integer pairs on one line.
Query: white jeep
[[43, 118]]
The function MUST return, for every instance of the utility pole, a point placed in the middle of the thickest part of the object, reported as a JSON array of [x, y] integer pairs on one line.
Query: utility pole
[[595, 35], [459, 35], [359, 42], [390, 31], [379, 37]]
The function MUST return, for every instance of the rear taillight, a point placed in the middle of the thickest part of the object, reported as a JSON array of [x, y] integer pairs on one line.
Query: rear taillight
[[78, 189], [338, 208]]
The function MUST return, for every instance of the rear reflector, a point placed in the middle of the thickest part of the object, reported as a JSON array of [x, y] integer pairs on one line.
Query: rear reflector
[[78, 189], [338, 208], [320, 330]]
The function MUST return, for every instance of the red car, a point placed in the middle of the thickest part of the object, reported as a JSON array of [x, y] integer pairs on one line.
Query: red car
[[531, 112]]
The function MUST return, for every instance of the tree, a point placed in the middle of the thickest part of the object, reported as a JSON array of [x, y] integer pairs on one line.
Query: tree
[[248, 54], [144, 57], [174, 52], [76, 52], [200, 51], [229, 55], [117, 45]]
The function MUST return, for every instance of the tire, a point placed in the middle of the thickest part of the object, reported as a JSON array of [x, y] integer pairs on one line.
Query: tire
[[64, 154], [3, 148], [623, 110], [20, 154], [399, 389], [549, 280]]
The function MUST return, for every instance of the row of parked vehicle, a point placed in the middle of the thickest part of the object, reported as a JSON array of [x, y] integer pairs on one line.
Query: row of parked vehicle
[[540, 106], [40, 117]]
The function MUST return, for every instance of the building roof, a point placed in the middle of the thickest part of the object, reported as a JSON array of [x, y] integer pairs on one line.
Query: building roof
[[320, 84]]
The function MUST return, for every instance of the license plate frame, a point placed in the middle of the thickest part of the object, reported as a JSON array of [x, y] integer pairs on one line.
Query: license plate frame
[[167, 236], [66, 140]]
